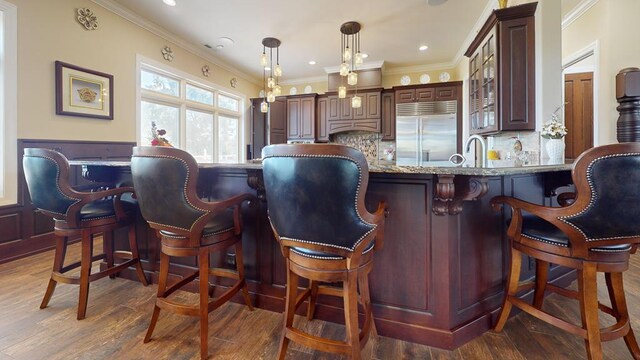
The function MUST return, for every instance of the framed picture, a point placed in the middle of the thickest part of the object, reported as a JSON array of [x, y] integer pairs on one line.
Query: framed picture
[[83, 92]]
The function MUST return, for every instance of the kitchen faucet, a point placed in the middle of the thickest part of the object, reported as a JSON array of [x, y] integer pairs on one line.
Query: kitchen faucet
[[483, 146]]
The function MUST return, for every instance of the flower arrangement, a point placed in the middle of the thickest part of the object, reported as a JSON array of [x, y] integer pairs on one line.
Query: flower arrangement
[[554, 129], [157, 136], [389, 150]]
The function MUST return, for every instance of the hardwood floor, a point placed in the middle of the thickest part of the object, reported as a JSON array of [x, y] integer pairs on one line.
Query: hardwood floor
[[119, 312]]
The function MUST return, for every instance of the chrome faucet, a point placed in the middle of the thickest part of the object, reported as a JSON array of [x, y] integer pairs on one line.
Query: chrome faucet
[[483, 146]]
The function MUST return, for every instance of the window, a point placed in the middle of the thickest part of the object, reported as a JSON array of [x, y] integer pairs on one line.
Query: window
[[200, 118], [8, 103]]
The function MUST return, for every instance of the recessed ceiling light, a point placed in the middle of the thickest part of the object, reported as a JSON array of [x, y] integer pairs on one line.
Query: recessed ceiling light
[[423, 47], [312, 62], [266, 68], [219, 47], [170, 2], [365, 55]]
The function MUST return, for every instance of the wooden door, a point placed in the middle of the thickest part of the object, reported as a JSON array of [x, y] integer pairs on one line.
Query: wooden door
[[578, 113], [308, 118], [388, 116], [373, 106], [405, 96], [323, 135], [425, 94], [277, 121]]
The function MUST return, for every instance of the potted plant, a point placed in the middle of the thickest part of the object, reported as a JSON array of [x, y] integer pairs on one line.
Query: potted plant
[[555, 131]]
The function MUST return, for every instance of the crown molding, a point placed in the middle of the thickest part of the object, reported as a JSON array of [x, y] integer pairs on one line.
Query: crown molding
[[365, 66], [419, 68], [307, 80], [577, 12], [163, 33]]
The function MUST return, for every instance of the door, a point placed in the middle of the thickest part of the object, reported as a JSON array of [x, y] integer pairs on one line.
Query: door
[[407, 140], [578, 113]]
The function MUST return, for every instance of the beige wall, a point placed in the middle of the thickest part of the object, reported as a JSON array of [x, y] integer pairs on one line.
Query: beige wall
[[48, 31], [614, 25]]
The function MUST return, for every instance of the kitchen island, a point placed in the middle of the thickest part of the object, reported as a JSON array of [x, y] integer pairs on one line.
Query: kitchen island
[[439, 278]]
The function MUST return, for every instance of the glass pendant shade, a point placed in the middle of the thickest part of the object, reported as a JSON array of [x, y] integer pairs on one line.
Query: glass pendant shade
[[277, 90], [344, 69], [356, 101], [342, 92], [358, 59], [352, 78], [271, 82], [263, 60], [347, 54], [264, 107], [277, 71], [271, 97]]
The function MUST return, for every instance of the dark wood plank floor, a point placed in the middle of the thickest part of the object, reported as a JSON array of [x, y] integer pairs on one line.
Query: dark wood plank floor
[[119, 312]]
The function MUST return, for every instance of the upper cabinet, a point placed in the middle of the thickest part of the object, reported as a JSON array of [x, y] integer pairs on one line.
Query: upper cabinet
[[388, 109], [336, 115], [502, 72], [301, 117]]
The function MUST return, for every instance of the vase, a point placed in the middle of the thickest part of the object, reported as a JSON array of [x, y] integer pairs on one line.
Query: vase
[[390, 157], [555, 149]]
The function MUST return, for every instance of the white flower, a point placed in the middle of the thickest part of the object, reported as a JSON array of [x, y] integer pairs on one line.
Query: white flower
[[554, 129]]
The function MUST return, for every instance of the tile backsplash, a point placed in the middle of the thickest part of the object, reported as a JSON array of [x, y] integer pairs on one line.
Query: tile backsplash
[[505, 145], [366, 142]]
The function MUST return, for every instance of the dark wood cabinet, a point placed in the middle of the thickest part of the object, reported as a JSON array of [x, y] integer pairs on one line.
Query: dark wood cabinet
[[388, 108], [322, 113], [502, 72], [301, 117], [415, 94], [336, 115], [267, 128]]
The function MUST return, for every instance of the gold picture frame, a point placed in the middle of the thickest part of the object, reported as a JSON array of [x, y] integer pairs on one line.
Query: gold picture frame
[[83, 92]]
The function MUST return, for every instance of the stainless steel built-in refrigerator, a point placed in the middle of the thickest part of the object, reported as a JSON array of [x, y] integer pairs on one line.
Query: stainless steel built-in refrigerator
[[426, 132]]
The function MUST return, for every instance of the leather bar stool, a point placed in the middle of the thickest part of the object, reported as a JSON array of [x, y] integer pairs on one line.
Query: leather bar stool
[[315, 198], [165, 181], [596, 231], [82, 214]]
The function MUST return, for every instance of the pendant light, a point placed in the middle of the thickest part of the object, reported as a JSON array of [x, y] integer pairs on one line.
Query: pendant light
[[271, 84], [351, 58]]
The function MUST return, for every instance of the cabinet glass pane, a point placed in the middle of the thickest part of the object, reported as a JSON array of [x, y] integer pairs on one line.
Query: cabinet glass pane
[[200, 135], [490, 114]]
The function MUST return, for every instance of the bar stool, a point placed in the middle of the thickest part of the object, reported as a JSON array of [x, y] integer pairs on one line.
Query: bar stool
[[596, 231], [81, 214], [315, 198], [165, 181]]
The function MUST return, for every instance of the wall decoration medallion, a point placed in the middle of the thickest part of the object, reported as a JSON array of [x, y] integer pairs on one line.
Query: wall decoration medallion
[[205, 70], [87, 19], [167, 53], [233, 82], [83, 92]]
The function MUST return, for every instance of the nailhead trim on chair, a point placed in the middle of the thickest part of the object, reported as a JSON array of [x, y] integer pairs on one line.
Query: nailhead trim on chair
[[544, 241], [206, 236], [57, 184], [355, 200], [326, 257], [594, 196], [98, 218], [206, 212]]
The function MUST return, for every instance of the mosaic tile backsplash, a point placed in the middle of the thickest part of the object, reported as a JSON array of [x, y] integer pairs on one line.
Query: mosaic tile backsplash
[[366, 142]]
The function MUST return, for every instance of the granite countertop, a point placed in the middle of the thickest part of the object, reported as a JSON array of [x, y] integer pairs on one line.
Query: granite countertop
[[494, 169]]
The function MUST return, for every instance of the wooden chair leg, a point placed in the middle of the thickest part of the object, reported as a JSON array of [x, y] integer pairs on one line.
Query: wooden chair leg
[[107, 247], [289, 310], [133, 246], [313, 285], [588, 292], [542, 275], [350, 294], [240, 270], [58, 263], [85, 272], [619, 305], [162, 286], [369, 323], [203, 260], [512, 287]]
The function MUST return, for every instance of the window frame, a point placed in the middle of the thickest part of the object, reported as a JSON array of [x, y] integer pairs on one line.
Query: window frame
[[8, 103], [183, 104]]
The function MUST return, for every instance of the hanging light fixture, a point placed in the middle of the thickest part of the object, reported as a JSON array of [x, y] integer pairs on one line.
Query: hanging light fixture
[[351, 58], [271, 82]]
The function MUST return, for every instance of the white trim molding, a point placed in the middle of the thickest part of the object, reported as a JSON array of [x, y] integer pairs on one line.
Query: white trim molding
[[9, 103], [302, 81], [577, 12], [178, 41], [593, 50]]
